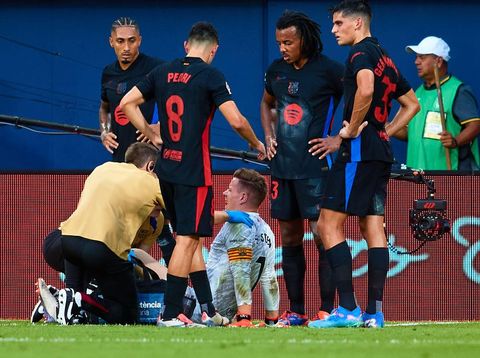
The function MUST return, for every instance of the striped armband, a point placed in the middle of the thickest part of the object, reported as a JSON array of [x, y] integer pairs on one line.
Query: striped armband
[[240, 253]]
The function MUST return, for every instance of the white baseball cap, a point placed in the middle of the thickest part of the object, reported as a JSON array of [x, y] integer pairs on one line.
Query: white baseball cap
[[431, 45]]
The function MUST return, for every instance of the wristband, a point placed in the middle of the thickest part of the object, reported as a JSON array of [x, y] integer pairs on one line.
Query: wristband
[[455, 144]]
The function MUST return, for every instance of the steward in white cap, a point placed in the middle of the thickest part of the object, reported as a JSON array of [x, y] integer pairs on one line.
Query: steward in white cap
[[426, 139]]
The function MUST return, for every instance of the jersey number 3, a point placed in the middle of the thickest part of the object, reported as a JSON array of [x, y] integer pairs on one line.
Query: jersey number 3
[[174, 108]]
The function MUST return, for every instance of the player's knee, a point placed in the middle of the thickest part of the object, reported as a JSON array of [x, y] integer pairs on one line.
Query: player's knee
[[292, 232]]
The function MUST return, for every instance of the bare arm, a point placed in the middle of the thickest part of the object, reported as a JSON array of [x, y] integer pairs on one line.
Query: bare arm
[[220, 217], [240, 124], [130, 106], [104, 116], [361, 105], [408, 108], [108, 138], [267, 107], [467, 135]]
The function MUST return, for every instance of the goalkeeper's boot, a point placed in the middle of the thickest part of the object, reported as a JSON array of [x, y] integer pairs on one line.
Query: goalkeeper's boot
[[289, 318], [341, 317], [217, 320], [243, 323], [375, 320]]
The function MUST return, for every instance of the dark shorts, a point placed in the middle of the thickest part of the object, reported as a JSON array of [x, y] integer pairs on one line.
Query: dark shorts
[[190, 208], [296, 198], [357, 188]]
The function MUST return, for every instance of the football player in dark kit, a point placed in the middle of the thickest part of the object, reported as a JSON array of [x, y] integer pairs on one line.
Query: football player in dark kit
[[304, 87], [117, 133], [357, 183], [188, 91]]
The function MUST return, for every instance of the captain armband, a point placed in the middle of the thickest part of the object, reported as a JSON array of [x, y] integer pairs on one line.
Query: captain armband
[[239, 254]]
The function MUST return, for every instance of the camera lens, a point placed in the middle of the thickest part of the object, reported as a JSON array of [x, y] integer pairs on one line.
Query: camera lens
[[426, 223]]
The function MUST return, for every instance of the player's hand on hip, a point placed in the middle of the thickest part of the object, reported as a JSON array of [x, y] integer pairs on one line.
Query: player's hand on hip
[[157, 141], [143, 138], [271, 147], [239, 217], [109, 141], [348, 132], [323, 146]]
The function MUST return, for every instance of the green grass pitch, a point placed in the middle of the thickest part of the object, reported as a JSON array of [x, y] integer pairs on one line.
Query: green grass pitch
[[22, 339]]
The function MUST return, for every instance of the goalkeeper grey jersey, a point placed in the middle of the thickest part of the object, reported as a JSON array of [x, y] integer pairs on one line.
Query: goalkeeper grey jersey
[[241, 257]]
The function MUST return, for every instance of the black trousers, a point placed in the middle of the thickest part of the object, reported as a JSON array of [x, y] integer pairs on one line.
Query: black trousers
[[77, 278], [115, 278]]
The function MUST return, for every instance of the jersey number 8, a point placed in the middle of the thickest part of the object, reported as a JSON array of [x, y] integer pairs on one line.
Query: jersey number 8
[[174, 108]]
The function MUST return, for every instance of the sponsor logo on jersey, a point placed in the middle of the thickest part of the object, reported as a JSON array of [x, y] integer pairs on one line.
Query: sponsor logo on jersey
[[292, 114], [171, 154], [293, 87], [120, 117], [121, 87]]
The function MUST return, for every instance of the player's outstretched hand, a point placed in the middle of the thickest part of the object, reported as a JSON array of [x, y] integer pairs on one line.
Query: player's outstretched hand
[[235, 216]]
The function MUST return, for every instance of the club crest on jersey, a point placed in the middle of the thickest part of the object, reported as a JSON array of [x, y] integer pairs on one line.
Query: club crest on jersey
[[293, 87], [121, 87]]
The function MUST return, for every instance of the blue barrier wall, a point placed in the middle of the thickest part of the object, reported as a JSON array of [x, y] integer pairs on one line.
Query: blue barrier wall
[[52, 56]]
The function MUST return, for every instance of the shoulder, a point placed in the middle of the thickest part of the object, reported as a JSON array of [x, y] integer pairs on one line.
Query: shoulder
[[328, 64], [212, 69], [276, 65], [110, 69], [151, 59], [147, 63], [212, 74]]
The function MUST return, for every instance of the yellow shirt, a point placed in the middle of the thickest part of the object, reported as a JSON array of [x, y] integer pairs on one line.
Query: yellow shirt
[[147, 234], [116, 199]]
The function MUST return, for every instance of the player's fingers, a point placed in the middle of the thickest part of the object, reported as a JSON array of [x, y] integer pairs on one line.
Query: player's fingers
[[315, 140], [324, 155], [363, 125]]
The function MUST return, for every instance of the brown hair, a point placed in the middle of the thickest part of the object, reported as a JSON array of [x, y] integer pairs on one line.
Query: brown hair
[[140, 153], [254, 182]]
